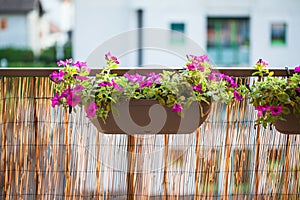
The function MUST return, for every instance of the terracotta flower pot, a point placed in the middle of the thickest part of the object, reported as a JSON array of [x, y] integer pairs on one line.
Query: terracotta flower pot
[[149, 117], [290, 126]]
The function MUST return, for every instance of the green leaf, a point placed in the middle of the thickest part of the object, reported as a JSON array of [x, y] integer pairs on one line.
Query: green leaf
[[284, 97], [285, 110]]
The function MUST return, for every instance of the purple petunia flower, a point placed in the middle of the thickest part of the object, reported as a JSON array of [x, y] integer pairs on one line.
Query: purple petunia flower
[[116, 86], [65, 93], [145, 83], [78, 88], [55, 100], [109, 57], [260, 113], [276, 110], [298, 90], [82, 78], [177, 107], [297, 69], [262, 109], [197, 62], [134, 77], [154, 78], [233, 84], [262, 62], [91, 110], [104, 83], [81, 66], [64, 63], [201, 58], [73, 99], [237, 96], [191, 66], [198, 88], [57, 77], [211, 76]]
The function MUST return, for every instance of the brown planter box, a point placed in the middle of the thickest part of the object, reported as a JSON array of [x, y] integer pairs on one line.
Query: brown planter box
[[149, 117], [290, 126]]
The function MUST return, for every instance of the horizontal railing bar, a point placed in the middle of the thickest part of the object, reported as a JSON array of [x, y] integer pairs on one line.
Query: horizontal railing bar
[[44, 72]]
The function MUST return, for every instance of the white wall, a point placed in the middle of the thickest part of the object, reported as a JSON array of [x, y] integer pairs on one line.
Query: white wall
[[98, 21], [274, 11], [16, 33]]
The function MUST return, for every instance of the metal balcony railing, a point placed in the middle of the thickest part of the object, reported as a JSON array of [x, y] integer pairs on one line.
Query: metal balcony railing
[[47, 153]]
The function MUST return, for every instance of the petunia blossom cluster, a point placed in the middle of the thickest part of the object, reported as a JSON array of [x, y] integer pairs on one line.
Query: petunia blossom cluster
[[274, 97], [143, 81], [197, 62], [71, 78]]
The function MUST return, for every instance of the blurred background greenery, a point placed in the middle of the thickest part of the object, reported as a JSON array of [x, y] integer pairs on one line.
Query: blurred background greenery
[[16, 57]]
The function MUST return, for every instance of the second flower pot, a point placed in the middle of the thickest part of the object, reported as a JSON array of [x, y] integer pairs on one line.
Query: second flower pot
[[290, 126]]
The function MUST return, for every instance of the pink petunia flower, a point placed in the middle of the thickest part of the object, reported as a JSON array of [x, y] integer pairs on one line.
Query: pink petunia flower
[[262, 109], [73, 99], [211, 76], [82, 78], [55, 100], [177, 107], [116, 86], [57, 77], [109, 57], [78, 88], [104, 83], [276, 110], [262, 62], [237, 96], [65, 93], [65, 63], [81, 66], [198, 88], [297, 69], [91, 110], [191, 66]]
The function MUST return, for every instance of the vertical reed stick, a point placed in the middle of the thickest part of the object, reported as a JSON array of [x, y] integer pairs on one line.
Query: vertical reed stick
[[98, 168], [37, 169], [257, 148], [227, 152], [165, 178], [67, 159], [3, 139], [197, 164], [287, 166], [256, 167], [140, 165], [130, 167]]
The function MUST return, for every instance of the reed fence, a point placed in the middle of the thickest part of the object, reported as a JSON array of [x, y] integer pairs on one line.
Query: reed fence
[[47, 153]]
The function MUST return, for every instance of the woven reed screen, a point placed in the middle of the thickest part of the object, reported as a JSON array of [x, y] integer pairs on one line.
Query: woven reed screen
[[46, 153]]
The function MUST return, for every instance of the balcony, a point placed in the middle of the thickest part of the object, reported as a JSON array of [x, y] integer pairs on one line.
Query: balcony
[[47, 153]]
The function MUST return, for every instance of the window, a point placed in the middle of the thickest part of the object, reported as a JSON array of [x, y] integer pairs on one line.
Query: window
[[3, 24], [177, 31], [278, 34], [228, 41]]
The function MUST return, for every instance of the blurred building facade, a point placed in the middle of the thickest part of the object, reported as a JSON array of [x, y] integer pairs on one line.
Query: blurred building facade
[[232, 32], [20, 24], [25, 24]]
